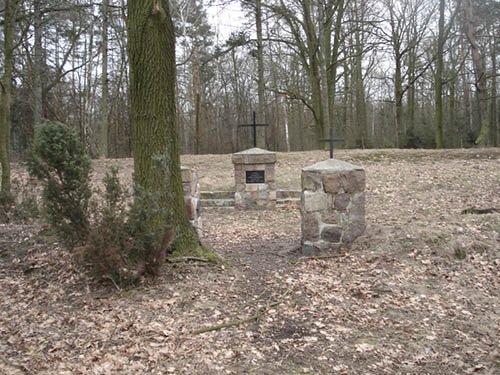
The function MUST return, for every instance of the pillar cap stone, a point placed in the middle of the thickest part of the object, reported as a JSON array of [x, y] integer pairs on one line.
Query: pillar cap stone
[[254, 156], [332, 165]]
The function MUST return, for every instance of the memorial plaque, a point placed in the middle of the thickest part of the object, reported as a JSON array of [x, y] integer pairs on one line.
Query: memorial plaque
[[255, 177]]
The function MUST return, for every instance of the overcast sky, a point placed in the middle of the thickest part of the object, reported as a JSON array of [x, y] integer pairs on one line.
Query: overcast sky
[[226, 18]]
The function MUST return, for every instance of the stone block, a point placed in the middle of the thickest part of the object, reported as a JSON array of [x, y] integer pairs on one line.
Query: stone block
[[331, 233], [186, 174], [311, 181], [353, 181], [256, 187], [239, 188], [332, 183], [256, 167], [332, 218], [341, 201], [310, 226], [238, 197], [314, 201], [239, 176], [254, 156], [263, 194], [270, 175]]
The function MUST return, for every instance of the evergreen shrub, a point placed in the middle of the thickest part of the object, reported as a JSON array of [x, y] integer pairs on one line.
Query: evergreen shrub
[[58, 159]]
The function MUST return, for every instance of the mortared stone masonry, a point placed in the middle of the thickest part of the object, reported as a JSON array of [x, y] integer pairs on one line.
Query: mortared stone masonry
[[332, 205]]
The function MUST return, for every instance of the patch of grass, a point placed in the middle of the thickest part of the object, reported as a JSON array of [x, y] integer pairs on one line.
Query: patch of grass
[[432, 238]]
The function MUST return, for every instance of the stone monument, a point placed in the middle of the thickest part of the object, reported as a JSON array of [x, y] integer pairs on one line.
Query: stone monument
[[254, 174], [332, 204]]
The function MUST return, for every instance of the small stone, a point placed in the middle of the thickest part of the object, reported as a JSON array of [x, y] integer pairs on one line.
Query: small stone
[[311, 202], [263, 195], [331, 218], [239, 176], [341, 201], [332, 183], [272, 195], [238, 198], [353, 181], [311, 181], [331, 233], [310, 226], [186, 174]]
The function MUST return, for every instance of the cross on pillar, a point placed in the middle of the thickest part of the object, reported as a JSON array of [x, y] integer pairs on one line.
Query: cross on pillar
[[254, 125], [331, 140]]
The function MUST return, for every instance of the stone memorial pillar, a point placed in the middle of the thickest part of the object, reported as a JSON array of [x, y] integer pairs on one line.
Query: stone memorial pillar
[[191, 189], [255, 185], [332, 205]]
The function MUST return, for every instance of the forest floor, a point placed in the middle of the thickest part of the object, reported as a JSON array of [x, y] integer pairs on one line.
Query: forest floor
[[418, 293]]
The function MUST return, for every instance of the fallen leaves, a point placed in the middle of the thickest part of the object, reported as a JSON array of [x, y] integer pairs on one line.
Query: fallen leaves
[[398, 301]]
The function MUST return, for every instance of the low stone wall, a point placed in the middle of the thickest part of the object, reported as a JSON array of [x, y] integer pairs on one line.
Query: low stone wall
[[254, 175], [332, 205], [191, 189]]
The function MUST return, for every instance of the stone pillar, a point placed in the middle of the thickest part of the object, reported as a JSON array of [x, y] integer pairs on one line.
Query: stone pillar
[[191, 189], [255, 185], [332, 205]]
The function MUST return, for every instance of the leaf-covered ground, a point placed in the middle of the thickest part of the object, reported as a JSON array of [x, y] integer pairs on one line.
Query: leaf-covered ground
[[418, 293]]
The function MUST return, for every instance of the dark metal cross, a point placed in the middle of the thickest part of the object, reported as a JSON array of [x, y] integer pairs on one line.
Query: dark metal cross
[[254, 125], [331, 140]]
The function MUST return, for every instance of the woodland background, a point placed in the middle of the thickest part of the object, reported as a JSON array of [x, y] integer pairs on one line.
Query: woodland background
[[384, 73]]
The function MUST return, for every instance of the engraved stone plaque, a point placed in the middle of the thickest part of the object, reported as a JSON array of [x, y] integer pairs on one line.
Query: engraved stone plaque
[[255, 177]]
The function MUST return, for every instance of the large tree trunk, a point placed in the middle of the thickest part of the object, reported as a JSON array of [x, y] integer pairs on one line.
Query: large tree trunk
[[37, 65], [438, 81], [331, 58], [494, 90], [5, 94], [467, 118], [484, 134], [151, 49], [261, 131], [103, 137], [197, 99], [398, 97]]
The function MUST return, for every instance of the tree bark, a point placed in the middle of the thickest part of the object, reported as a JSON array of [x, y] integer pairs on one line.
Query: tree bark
[[103, 138], [438, 81], [151, 50], [197, 99], [477, 60], [261, 131], [494, 100], [37, 65], [5, 97]]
